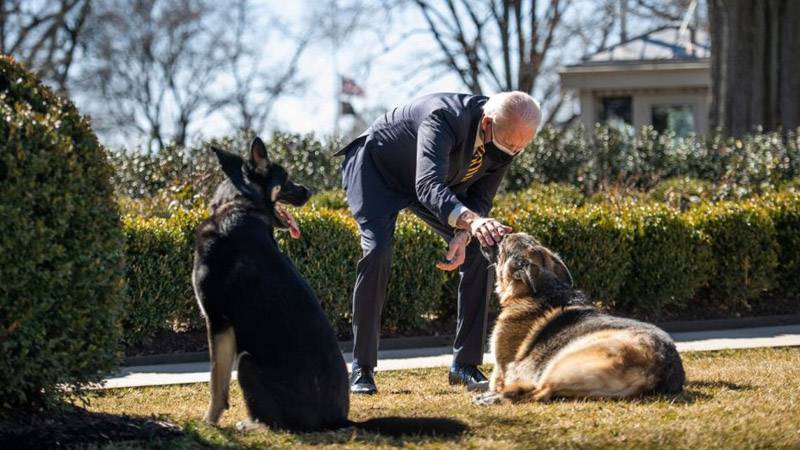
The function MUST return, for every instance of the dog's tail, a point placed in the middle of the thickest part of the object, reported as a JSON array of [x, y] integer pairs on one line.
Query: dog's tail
[[424, 426]]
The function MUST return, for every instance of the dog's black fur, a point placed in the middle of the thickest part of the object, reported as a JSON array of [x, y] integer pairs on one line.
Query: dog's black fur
[[258, 306]]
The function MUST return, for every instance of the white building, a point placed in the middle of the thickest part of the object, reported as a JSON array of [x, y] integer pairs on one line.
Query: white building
[[660, 78]]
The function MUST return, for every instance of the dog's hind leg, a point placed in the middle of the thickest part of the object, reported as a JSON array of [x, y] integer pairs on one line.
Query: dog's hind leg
[[222, 349], [609, 368], [262, 406]]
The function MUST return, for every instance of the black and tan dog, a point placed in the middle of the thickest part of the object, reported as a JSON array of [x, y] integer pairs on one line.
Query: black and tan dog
[[259, 308], [549, 341]]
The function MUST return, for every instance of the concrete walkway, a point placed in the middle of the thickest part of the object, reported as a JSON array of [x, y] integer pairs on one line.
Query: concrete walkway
[[781, 336]]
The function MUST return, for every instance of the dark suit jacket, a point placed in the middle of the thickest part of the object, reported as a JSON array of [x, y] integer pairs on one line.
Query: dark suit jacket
[[421, 151]]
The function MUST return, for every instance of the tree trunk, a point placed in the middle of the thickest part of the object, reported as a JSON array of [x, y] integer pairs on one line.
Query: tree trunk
[[755, 64]]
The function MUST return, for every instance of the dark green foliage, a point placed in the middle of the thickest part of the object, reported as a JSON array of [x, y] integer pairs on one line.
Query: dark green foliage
[[641, 259], [670, 260], [416, 284], [332, 199], [178, 178], [785, 214], [61, 247], [682, 193], [744, 250], [159, 275]]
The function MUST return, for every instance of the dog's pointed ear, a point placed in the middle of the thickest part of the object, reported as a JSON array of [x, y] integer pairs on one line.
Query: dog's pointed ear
[[528, 274], [231, 163], [557, 266], [258, 155]]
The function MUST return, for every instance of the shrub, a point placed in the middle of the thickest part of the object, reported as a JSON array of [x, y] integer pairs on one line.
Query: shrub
[[636, 258], [682, 193], [744, 249], [416, 284], [538, 194], [556, 155], [62, 247], [159, 274], [670, 260], [331, 199], [784, 210], [182, 178]]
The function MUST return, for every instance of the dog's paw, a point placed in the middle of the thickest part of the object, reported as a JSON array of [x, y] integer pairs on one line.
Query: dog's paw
[[248, 425], [211, 418], [489, 398]]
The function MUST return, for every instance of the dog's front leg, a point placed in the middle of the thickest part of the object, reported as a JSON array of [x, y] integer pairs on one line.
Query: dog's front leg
[[497, 379], [222, 349]]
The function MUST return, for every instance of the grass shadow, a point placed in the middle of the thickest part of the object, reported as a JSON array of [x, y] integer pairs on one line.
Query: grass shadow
[[238, 439], [69, 426], [720, 384]]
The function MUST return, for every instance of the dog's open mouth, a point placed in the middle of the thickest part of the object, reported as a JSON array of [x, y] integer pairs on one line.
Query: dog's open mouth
[[287, 220]]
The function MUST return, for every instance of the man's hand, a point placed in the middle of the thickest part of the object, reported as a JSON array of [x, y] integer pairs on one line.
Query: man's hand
[[488, 231], [455, 252]]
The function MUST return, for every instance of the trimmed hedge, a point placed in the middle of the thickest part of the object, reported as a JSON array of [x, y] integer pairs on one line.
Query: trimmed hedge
[[61, 247], [785, 214], [744, 250], [670, 260], [159, 274], [640, 259]]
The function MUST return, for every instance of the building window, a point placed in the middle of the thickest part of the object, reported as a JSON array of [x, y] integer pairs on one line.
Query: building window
[[679, 119], [616, 110]]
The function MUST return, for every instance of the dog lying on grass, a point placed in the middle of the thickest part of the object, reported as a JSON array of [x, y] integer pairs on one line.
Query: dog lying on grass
[[260, 309], [549, 341]]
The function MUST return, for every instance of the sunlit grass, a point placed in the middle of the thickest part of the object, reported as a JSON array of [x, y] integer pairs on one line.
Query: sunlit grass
[[733, 399]]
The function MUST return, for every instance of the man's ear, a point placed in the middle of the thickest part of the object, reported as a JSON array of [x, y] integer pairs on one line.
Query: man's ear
[[258, 155], [231, 164]]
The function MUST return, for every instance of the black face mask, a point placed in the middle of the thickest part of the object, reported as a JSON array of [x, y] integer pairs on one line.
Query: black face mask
[[496, 154]]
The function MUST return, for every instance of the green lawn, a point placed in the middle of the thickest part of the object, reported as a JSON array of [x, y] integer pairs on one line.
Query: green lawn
[[733, 399]]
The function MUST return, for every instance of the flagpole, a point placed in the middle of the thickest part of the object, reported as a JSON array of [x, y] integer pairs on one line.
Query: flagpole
[[337, 78]]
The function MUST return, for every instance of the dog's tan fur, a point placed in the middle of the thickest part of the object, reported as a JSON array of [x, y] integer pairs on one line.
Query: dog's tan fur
[[609, 362]]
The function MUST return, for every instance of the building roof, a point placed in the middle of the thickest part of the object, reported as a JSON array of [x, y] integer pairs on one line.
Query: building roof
[[662, 44]]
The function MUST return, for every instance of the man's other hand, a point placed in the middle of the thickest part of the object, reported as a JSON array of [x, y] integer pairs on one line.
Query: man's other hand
[[488, 231], [455, 253]]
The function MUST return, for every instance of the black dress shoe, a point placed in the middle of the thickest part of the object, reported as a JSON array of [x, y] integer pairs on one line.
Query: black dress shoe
[[362, 380], [468, 375]]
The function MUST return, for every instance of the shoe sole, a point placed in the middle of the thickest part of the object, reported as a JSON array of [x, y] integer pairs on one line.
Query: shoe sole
[[370, 392]]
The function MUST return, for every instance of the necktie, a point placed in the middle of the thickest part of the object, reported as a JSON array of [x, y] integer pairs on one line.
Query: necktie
[[475, 164]]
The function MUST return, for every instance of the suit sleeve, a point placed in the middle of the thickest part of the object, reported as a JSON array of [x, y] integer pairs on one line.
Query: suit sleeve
[[480, 194], [435, 140]]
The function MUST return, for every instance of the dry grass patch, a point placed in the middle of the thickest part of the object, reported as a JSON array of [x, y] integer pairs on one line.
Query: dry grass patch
[[733, 399]]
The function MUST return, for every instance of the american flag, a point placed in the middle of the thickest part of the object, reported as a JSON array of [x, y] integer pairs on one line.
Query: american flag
[[349, 87]]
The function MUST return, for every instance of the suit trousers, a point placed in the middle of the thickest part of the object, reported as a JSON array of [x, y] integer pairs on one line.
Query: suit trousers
[[372, 279]]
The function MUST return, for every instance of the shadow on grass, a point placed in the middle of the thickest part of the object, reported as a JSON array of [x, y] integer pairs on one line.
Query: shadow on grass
[[70, 426], [719, 384], [693, 391], [238, 439]]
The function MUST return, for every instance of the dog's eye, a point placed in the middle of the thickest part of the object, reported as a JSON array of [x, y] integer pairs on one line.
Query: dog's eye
[[275, 191]]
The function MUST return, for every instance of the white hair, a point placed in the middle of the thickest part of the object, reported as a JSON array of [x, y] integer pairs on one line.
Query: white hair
[[506, 107]]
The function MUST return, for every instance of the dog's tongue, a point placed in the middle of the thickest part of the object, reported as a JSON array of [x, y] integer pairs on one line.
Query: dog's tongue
[[288, 219]]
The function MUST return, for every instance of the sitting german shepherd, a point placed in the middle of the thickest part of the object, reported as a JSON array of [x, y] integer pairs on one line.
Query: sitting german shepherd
[[257, 306], [549, 341]]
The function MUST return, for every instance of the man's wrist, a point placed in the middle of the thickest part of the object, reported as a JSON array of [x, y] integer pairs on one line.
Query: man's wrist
[[465, 220]]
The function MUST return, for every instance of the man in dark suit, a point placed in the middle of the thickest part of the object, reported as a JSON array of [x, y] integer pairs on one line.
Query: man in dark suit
[[442, 156]]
